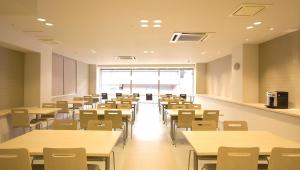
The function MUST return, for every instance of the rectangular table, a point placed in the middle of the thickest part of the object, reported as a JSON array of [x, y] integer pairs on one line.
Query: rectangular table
[[96, 143], [173, 113], [207, 143]]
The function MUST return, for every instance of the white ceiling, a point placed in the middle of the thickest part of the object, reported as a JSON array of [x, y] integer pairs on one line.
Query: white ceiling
[[111, 28]]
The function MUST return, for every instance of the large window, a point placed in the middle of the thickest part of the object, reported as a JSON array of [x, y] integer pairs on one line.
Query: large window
[[154, 81]]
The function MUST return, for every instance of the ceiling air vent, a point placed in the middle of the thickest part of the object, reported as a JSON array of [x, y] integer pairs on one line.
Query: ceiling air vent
[[126, 58], [249, 9], [180, 36], [50, 41]]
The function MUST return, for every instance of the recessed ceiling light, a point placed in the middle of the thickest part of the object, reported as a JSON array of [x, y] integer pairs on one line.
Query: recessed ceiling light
[[41, 19], [93, 51], [246, 39], [203, 52], [271, 28], [144, 25], [157, 21], [144, 21], [48, 24], [145, 52], [151, 52], [156, 26], [257, 23], [249, 27]]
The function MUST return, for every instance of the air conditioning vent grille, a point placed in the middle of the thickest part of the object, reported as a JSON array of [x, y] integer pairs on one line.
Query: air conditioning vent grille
[[126, 58], [249, 9], [189, 37]]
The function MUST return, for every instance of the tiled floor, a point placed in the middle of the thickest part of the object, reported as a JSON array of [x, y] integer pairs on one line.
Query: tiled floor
[[151, 148]]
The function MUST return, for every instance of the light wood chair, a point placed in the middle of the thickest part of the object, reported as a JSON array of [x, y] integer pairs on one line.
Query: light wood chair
[[204, 125], [21, 119], [126, 101], [124, 106], [284, 159], [88, 101], [176, 106], [211, 115], [105, 125], [193, 106], [184, 120], [85, 116], [16, 159], [48, 117], [117, 121], [64, 108], [67, 159], [112, 103], [105, 106], [64, 124], [235, 126], [78, 105], [186, 102], [104, 96]]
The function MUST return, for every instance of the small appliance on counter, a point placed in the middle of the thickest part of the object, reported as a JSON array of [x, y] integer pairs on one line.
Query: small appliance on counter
[[277, 99]]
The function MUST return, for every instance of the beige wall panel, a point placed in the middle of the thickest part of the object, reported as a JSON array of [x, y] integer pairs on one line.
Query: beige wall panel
[[279, 67], [219, 77], [32, 79], [57, 75], [200, 78], [11, 78], [82, 78], [92, 78], [69, 76]]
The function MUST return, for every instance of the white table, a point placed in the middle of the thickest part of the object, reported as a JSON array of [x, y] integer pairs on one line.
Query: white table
[[207, 143], [96, 143]]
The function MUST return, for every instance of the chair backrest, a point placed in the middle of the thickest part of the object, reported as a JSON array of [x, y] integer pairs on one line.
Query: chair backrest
[[124, 106], [211, 115], [105, 106], [49, 105], [63, 105], [193, 106], [14, 159], [20, 118], [118, 94], [85, 116], [88, 99], [237, 158], [284, 159], [104, 96], [176, 106], [204, 125], [136, 94], [235, 126], [112, 103], [78, 98], [105, 125], [149, 96], [183, 96], [173, 102], [64, 125], [65, 159], [186, 102], [126, 101], [115, 116], [185, 118]]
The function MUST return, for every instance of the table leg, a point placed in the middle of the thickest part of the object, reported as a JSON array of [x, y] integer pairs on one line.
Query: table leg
[[163, 113], [73, 112], [172, 128], [107, 163], [195, 161]]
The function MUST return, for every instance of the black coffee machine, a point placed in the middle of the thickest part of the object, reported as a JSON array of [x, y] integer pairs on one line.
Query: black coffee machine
[[277, 99]]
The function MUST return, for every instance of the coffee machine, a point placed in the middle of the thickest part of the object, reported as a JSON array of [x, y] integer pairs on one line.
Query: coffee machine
[[277, 99]]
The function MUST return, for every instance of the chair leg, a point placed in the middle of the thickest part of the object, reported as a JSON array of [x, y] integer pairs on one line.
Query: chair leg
[[131, 130]]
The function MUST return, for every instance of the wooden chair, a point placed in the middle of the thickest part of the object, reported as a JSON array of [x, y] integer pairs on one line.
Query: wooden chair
[[104, 96], [67, 159], [85, 116], [64, 108], [117, 120], [284, 159], [21, 119], [105, 106], [185, 118], [105, 125], [16, 159], [64, 125], [118, 94], [78, 105], [211, 115], [193, 106], [50, 116], [176, 106], [113, 104], [204, 125], [88, 100], [126, 101], [124, 106], [235, 126]]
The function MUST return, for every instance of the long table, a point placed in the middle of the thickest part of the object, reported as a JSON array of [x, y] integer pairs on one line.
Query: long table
[[96, 143], [207, 143]]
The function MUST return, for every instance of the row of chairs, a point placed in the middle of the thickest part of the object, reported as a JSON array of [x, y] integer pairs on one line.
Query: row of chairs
[[54, 159], [248, 159]]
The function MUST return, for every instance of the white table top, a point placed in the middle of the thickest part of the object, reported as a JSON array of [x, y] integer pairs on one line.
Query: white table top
[[174, 112], [206, 143], [96, 143]]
